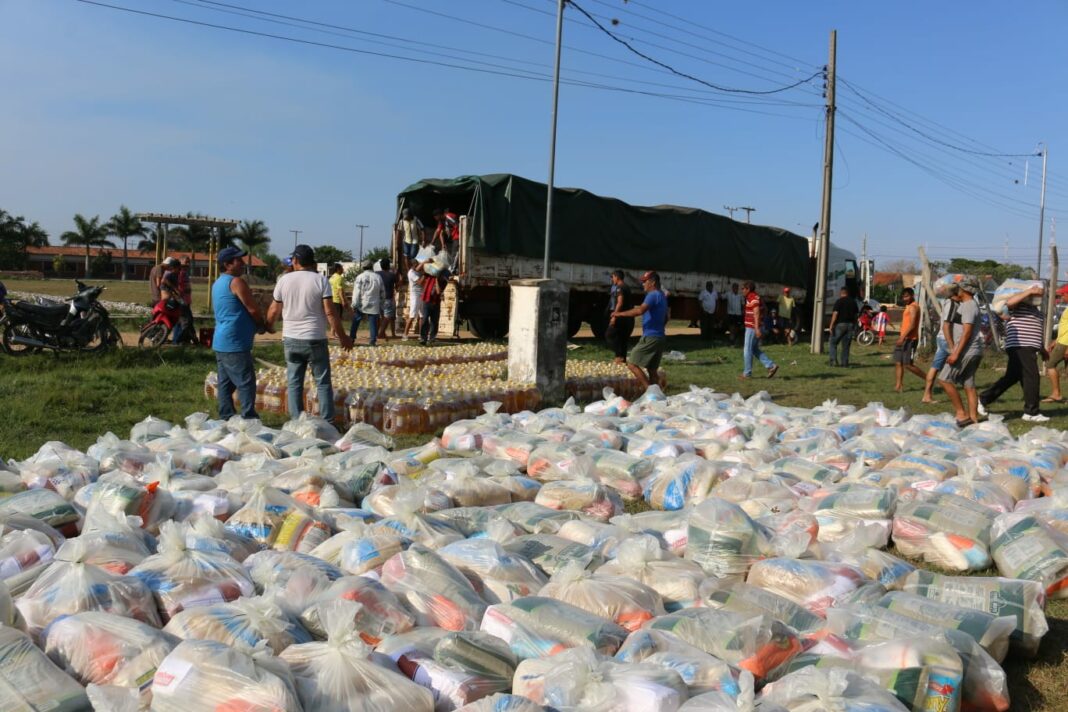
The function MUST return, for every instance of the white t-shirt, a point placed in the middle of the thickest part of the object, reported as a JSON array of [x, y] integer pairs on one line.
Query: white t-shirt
[[734, 303], [302, 293], [709, 300], [415, 289]]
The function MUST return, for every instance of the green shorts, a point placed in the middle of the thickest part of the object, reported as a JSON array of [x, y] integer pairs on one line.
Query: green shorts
[[648, 352], [1056, 355]]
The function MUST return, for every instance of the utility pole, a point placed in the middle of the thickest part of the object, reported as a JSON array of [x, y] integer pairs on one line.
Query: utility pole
[[545, 270], [296, 233], [361, 242], [866, 272], [747, 210], [825, 220], [1042, 209], [730, 210]]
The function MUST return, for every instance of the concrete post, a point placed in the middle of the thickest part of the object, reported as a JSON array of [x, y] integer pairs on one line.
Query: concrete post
[[537, 336]]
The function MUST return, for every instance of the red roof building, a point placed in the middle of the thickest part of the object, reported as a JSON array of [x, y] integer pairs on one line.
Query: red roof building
[[70, 262]]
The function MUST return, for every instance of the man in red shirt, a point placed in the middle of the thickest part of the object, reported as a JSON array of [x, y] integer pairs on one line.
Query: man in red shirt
[[753, 307]]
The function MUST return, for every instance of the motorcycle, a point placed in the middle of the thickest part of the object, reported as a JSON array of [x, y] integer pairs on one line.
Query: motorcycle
[[81, 325], [167, 315]]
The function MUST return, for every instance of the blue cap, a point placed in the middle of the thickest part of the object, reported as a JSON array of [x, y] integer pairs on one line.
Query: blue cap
[[287, 261], [227, 254]]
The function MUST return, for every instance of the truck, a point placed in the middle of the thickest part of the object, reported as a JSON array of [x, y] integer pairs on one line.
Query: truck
[[502, 237]]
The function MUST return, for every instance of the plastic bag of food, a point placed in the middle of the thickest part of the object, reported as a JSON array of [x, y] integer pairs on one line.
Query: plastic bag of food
[[756, 643], [640, 558], [555, 461], [759, 493], [269, 511], [171, 476], [24, 554], [361, 548], [879, 566], [816, 585], [536, 518], [31, 681], [44, 505], [292, 579], [115, 543], [409, 520], [840, 508], [339, 676], [1024, 548], [700, 671], [404, 498], [497, 575], [379, 615], [9, 615], [582, 494], [807, 470], [245, 624], [105, 649], [1014, 474], [122, 494], [511, 445], [435, 591], [985, 493], [748, 600], [583, 680], [536, 626], [181, 577], [815, 690], [62, 470], [945, 530], [619, 465], [69, 585], [503, 703], [990, 631], [474, 491], [550, 552], [10, 482], [984, 686], [670, 529], [618, 598], [208, 675], [361, 436], [725, 541], [1025, 600], [124, 455], [205, 533], [679, 483]]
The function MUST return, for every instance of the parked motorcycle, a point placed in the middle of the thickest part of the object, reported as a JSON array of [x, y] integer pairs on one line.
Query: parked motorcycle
[[83, 324], [167, 315]]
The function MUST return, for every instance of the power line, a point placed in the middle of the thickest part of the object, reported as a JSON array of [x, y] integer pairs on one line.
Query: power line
[[676, 72]]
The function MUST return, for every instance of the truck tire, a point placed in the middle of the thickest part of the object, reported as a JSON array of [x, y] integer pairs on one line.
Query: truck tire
[[487, 327], [599, 326]]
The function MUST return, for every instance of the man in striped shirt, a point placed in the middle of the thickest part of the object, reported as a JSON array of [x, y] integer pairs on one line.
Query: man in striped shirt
[[1023, 343]]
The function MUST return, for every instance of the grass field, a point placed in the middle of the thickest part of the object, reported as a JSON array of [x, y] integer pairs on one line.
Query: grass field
[[76, 398]]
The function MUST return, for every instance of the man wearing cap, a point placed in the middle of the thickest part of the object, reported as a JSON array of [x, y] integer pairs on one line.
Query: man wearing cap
[[966, 353], [237, 320], [411, 232], [789, 314], [751, 347], [304, 300], [1057, 350], [368, 293], [650, 348]]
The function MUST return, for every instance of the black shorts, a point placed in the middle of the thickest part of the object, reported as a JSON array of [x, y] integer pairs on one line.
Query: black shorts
[[905, 353]]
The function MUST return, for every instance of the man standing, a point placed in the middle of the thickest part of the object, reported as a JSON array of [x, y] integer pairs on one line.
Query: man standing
[[185, 293], [735, 306], [304, 301], [965, 355], [905, 347], [709, 299], [411, 232], [751, 346], [237, 319], [154, 277], [416, 312], [789, 314], [843, 321], [619, 328], [337, 288], [943, 344], [367, 297], [650, 348], [1057, 350], [1023, 343], [389, 302]]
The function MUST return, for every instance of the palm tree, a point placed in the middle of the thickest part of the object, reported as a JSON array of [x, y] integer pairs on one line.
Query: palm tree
[[125, 225], [90, 233], [255, 236]]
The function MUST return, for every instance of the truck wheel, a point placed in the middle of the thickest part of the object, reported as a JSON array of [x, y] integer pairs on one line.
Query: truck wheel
[[487, 327], [599, 326]]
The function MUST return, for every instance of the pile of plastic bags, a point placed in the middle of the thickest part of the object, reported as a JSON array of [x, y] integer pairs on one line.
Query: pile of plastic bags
[[773, 559]]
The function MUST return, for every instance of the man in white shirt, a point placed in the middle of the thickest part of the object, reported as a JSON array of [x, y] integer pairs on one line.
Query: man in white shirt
[[416, 311], [411, 232], [709, 299], [304, 300], [735, 304], [368, 294]]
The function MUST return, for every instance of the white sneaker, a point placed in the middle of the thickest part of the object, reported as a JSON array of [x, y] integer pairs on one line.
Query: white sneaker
[[981, 408], [1037, 418]]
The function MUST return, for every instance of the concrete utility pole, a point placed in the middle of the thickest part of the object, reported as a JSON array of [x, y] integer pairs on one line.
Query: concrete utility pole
[[730, 210], [545, 270], [296, 233], [748, 210], [362, 227], [1042, 209], [825, 220], [865, 272]]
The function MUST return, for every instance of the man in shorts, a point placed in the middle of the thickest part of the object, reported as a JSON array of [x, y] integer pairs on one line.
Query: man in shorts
[[905, 347], [1058, 350], [411, 232], [942, 348], [650, 348], [965, 353]]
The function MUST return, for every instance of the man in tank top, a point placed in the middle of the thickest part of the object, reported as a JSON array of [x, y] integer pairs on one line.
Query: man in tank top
[[237, 320]]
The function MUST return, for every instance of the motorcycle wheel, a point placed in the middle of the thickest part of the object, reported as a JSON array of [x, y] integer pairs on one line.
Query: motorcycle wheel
[[866, 338], [13, 349], [152, 336], [105, 338]]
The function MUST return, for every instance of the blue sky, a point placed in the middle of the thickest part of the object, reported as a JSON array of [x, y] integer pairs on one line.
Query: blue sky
[[104, 107]]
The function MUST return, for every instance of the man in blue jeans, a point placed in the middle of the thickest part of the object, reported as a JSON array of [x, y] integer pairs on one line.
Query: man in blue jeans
[[304, 300], [843, 322], [237, 319], [752, 321]]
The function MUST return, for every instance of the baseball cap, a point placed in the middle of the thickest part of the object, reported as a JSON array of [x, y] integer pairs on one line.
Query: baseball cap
[[304, 254], [1063, 289], [170, 261], [287, 261], [969, 284], [230, 253], [649, 274], [786, 290]]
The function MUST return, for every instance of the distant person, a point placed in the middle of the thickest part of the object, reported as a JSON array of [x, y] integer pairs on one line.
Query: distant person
[[185, 295], [1058, 348], [880, 322], [168, 280], [751, 346], [735, 307], [774, 328], [416, 279], [1024, 337], [843, 321], [907, 338], [790, 315], [337, 288], [304, 301], [237, 319], [943, 345], [154, 276], [411, 232], [965, 354], [650, 349], [451, 223], [287, 264], [709, 299], [368, 293], [619, 328], [389, 302], [433, 288]]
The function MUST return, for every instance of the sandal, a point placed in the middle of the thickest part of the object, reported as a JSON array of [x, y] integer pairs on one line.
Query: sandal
[[965, 423], [1051, 399]]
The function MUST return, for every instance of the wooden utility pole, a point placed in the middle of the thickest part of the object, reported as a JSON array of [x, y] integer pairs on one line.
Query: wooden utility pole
[[929, 304], [824, 243], [1051, 293]]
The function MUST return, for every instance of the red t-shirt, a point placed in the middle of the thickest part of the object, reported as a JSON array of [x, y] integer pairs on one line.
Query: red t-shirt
[[752, 305]]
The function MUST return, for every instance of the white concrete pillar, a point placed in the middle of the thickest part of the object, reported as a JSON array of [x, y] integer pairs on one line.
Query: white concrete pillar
[[537, 336]]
